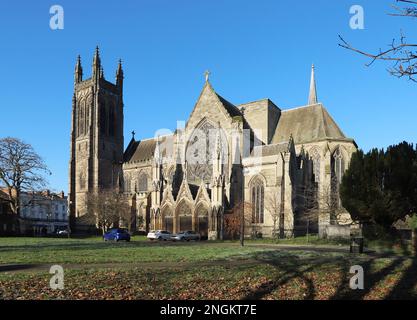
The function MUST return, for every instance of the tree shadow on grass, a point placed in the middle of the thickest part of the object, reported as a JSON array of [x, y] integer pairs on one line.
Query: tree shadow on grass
[[407, 286], [344, 292], [292, 268]]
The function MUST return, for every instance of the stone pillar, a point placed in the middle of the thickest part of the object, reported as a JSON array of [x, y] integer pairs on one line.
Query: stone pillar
[[324, 193], [287, 197]]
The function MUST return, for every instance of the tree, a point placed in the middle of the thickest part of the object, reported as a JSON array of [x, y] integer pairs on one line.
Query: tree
[[108, 208], [318, 204], [401, 54], [237, 220], [274, 207], [21, 169], [380, 187]]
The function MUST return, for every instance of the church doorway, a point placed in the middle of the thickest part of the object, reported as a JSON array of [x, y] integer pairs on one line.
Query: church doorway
[[169, 225], [185, 217], [185, 223], [202, 221], [167, 220]]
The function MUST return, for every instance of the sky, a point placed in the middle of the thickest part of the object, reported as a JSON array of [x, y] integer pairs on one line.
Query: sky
[[253, 49]]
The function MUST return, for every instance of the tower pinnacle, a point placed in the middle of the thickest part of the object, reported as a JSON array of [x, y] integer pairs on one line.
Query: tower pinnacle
[[312, 98]]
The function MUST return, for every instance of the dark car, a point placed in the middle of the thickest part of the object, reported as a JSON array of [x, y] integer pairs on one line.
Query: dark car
[[117, 234]]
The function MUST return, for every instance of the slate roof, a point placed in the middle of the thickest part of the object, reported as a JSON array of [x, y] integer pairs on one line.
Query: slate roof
[[230, 107], [270, 149], [144, 150], [307, 124]]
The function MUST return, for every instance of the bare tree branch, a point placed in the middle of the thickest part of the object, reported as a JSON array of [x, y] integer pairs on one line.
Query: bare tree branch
[[402, 54], [21, 169]]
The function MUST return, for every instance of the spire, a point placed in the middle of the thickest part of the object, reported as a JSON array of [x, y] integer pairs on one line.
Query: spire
[[119, 74], [207, 75], [78, 75], [312, 98], [157, 153], [96, 63]]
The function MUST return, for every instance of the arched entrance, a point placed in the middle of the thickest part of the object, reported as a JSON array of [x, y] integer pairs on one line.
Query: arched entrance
[[184, 217], [167, 219], [202, 221]]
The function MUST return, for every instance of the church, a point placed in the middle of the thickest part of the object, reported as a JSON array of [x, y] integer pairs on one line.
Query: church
[[282, 168]]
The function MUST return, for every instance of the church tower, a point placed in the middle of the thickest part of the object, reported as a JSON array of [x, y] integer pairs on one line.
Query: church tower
[[96, 152]]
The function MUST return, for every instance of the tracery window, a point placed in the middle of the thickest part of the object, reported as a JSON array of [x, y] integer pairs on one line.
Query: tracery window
[[257, 197]]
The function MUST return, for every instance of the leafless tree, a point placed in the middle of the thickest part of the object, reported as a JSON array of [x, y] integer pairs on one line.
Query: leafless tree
[[273, 205], [400, 53], [238, 220], [108, 208], [21, 169], [318, 205]]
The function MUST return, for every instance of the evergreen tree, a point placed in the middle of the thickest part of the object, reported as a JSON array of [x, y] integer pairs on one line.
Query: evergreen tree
[[380, 186]]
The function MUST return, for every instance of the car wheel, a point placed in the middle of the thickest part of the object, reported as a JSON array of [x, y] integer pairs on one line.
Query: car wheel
[[160, 238]]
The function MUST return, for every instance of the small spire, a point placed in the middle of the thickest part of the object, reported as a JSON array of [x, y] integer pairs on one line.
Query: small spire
[[119, 67], [312, 98], [207, 75], [96, 63], [101, 72], [157, 153], [133, 134], [119, 73], [78, 77]]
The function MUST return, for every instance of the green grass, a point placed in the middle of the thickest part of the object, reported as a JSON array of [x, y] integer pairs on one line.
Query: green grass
[[94, 250], [209, 270], [303, 240]]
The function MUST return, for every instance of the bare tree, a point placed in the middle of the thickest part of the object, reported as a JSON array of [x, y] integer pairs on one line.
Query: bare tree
[[108, 208], [400, 53], [21, 169], [273, 205], [238, 220], [318, 205]]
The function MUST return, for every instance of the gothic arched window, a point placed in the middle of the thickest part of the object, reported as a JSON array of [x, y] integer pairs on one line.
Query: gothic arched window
[[111, 121], [142, 182], [127, 184], [257, 199], [338, 165], [338, 169], [103, 119], [315, 156]]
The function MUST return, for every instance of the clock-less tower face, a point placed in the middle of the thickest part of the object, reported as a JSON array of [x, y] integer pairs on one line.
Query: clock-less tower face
[[201, 147]]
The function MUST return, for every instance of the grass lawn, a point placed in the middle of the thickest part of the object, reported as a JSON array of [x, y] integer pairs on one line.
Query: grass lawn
[[208, 270]]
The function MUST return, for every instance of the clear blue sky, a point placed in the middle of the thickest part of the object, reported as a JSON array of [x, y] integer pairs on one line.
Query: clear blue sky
[[254, 49]]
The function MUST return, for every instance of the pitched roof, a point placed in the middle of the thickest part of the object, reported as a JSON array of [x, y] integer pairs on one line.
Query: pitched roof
[[270, 150], [143, 150], [230, 107], [307, 124]]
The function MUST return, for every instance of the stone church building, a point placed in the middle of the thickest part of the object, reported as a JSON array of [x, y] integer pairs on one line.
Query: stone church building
[[284, 166]]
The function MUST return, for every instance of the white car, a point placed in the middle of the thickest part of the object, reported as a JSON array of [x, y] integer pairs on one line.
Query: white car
[[159, 235]]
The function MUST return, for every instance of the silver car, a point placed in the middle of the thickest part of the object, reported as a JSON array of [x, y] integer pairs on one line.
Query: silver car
[[159, 235], [186, 236]]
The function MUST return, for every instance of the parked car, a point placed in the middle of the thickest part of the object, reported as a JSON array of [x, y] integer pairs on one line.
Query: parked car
[[117, 234], [62, 232], [186, 236], [159, 235]]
